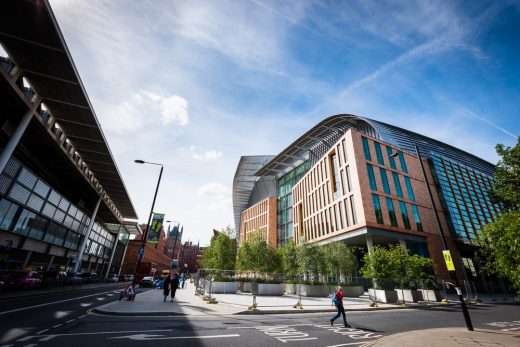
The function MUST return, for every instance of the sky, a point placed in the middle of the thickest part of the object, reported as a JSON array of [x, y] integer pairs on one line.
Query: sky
[[196, 84]]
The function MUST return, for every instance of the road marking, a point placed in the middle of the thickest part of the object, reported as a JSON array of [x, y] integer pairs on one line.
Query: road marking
[[79, 317], [147, 337], [42, 331], [85, 304], [97, 333], [30, 345], [286, 333], [72, 320], [50, 303], [513, 325], [24, 339], [263, 326], [99, 299], [353, 333], [48, 337], [348, 344], [57, 325]]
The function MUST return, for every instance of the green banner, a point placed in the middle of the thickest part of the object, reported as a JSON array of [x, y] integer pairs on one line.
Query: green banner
[[155, 229]]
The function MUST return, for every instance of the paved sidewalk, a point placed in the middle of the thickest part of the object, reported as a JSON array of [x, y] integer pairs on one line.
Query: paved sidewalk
[[150, 303], [444, 337]]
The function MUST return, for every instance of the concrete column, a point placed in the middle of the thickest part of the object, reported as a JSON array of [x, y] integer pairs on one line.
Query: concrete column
[[84, 243], [113, 250], [123, 258], [26, 261], [50, 263], [370, 243], [15, 139]]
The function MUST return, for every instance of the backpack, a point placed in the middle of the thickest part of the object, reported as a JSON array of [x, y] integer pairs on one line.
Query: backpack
[[335, 300]]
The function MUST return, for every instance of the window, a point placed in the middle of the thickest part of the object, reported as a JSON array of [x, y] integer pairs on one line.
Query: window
[[403, 163], [417, 218], [409, 188], [384, 179], [7, 212], [366, 148], [391, 212], [335, 175], [404, 214], [390, 158], [397, 185], [377, 209], [379, 154], [353, 206], [348, 179], [371, 177], [23, 225]]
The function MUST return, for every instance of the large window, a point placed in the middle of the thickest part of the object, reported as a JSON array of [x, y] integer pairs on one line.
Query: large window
[[417, 218], [409, 188], [377, 209], [379, 154], [7, 212], [384, 179], [371, 177], [397, 185], [390, 158], [335, 175], [404, 214], [353, 207], [391, 211], [366, 148], [403, 162]]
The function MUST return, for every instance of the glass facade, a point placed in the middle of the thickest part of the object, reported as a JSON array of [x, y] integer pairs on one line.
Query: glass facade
[[371, 177], [384, 179], [379, 154], [397, 184], [366, 148], [391, 212], [377, 209], [391, 159], [30, 207], [464, 194], [404, 215], [409, 188], [417, 218], [404, 168], [285, 201]]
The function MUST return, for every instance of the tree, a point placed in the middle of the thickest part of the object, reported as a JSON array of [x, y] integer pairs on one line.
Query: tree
[[257, 255], [311, 262], [506, 188], [288, 254], [500, 240], [341, 260], [221, 254]]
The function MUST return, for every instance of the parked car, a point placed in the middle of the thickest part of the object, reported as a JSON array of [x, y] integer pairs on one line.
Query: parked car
[[112, 278], [74, 278], [20, 279], [129, 277], [158, 283], [147, 281]]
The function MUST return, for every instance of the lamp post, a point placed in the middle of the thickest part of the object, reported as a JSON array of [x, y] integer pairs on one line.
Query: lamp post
[[465, 312], [140, 252]]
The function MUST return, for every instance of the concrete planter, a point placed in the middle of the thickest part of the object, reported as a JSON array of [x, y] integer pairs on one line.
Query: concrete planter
[[353, 291], [245, 287], [291, 288], [431, 295], [379, 295], [316, 290], [409, 295], [273, 289], [221, 287]]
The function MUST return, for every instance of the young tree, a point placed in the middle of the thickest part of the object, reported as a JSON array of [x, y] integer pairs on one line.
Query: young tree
[[221, 254], [341, 260], [288, 254], [500, 239]]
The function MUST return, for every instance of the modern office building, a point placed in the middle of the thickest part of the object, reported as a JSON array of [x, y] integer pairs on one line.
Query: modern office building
[[63, 202], [360, 181]]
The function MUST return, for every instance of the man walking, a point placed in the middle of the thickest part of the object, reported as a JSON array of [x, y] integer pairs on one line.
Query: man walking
[[174, 285], [338, 301]]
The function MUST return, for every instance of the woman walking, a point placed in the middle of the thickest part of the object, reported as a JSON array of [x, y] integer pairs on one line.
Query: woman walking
[[166, 287], [174, 284], [338, 301]]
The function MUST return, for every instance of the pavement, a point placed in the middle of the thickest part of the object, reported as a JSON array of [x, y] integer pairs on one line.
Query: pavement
[[150, 303]]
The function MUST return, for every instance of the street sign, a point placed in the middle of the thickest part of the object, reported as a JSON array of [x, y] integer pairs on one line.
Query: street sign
[[448, 260]]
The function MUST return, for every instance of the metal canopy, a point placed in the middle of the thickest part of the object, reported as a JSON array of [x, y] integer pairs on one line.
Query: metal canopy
[[31, 36]]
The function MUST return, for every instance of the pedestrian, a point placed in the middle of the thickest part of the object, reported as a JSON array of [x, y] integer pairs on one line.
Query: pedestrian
[[174, 285], [338, 301], [166, 287]]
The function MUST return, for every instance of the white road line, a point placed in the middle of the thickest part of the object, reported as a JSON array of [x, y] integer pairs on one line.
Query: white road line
[[47, 338], [51, 303], [263, 327], [348, 344], [41, 332], [57, 325], [30, 345], [72, 320], [79, 317], [24, 339], [145, 337], [104, 332]]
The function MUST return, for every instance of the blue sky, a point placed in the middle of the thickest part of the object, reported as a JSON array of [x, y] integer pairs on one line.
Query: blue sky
[[197, 84]]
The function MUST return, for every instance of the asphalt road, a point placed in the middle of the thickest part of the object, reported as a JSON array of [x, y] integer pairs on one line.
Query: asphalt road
[[79, 329]]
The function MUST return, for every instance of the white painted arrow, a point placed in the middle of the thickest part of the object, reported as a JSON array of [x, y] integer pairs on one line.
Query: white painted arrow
[[142, 337]]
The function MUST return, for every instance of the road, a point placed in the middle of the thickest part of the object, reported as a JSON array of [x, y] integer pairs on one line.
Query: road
[[67, 323]]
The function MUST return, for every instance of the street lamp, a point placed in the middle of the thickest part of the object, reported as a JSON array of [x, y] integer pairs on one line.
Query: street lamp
[[465, 312], [140, 252]]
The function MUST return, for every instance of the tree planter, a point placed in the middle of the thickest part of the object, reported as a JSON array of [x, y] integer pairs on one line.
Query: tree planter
[[268, 288], [291, 288], [318, 290], [431, 295], [353, 291], [221, 287], [245, 287], [409, 295], [379, 295]]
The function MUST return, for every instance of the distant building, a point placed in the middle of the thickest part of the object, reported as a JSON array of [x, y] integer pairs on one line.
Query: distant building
[[359, 181], [190, 256]]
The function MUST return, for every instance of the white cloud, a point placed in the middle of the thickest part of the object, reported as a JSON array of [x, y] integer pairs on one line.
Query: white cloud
[[209, 155], [215, 196]]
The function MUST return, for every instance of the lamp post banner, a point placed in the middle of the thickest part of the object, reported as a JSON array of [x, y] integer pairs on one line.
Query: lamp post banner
[[155, 229]]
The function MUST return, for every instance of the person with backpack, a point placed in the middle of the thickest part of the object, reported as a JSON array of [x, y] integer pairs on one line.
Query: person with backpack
[[337, 300]]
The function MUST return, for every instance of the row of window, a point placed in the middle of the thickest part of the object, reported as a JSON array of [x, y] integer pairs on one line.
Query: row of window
[[386, 186], [403, 211], [379, 154]]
